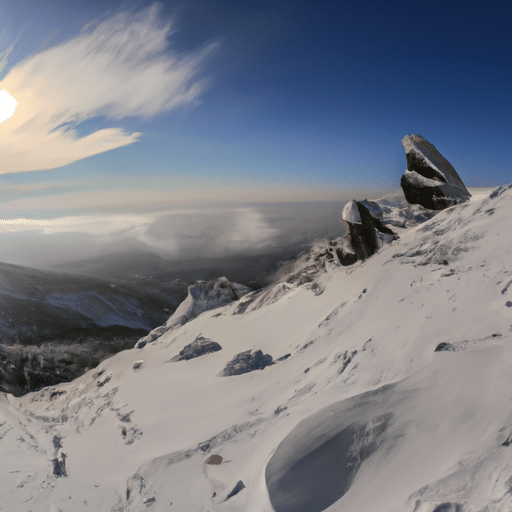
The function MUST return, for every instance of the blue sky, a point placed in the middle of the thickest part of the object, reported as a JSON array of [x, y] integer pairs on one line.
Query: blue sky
[[242, 102]]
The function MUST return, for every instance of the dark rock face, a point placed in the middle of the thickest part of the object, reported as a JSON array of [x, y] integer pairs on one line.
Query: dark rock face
[[444, 347], [199, 347], [247, 362], [59, 466], [365, 232], [430, 180], [374, 223], [346, 258]]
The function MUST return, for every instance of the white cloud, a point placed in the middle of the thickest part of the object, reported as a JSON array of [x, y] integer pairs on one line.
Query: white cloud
[[183, 234], [176, 233], [207, 231], [86, 224], [249, 232], [118, 68]]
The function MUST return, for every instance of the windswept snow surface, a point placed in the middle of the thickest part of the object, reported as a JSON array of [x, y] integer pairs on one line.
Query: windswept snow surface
[[363, 415]]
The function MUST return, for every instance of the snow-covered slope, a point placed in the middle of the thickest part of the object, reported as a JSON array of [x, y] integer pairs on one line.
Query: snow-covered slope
[[358, 413]]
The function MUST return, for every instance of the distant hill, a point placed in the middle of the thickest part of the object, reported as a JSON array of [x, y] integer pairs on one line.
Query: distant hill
[[87, 318]]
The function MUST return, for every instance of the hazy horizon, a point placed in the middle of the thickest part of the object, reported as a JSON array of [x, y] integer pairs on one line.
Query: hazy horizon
[[211, 232]]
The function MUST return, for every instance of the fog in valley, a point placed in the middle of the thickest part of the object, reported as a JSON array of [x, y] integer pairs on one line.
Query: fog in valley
[[244, 242]]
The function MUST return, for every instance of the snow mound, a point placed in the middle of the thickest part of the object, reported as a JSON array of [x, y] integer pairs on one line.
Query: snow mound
[[199, 347]]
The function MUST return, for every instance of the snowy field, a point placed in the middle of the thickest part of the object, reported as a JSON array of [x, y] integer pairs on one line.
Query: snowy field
[[364, 415]]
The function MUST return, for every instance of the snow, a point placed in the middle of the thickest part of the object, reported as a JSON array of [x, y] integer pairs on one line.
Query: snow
[[419, 427], [420, 181], [478, 193]]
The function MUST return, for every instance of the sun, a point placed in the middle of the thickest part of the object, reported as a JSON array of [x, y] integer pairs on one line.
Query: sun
[[7, 105]]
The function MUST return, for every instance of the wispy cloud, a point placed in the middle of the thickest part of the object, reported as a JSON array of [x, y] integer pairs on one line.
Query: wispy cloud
[[177, 233], [86, 224], [215, 232], [116, 68]]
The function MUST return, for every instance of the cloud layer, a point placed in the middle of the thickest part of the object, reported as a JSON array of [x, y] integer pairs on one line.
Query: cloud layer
[[114, 69], [185, 233]]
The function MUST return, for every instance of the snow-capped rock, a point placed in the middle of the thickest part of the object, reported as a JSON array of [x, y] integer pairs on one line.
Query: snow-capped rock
[[365, 233], [202, 296], [430, 180], [247, 361]]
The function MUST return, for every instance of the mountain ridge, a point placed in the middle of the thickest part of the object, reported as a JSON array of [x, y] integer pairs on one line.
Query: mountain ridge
[[418, 429]]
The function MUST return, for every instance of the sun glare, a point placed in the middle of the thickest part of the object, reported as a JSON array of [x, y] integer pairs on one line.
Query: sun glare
[[7, 105]]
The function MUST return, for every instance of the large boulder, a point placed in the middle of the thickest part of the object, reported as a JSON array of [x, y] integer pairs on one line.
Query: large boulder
[[430, 180], [247, 361]]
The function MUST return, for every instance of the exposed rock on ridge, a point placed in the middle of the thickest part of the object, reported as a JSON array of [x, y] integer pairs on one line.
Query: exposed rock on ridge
[[202, 296], [247, 361], [430, 180]]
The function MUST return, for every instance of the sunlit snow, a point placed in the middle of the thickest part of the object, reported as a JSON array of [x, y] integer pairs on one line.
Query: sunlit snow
[[359, 413]]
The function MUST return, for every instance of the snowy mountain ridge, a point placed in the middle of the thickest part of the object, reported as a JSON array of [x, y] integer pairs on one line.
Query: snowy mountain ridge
[[79, 300], [389, 392]]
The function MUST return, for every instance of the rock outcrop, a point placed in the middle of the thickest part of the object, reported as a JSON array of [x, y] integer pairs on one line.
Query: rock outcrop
[[365, 232], [369, 225], [430, 180], [202, 296], [247, 361], [199, 347]]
